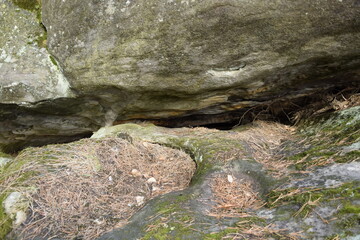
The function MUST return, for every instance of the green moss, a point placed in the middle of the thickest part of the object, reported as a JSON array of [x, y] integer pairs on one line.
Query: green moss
[[173, 220], [186, 218], [204, 151], [52, 59], [174, 229], [347, 120], [244, 224], [168, 206], [220, 235], [350, 208], [159, 232], [12, 168], [26, 157], [165, 231], [327, 135], [333, 237], [5, 220], [348, 157], [30, 5], [41, 40], [175, 223], [312, 156], [300, 200], [35, 7], [4, 155], [25, 176], [348, 222], [284, 197], [201, 170]]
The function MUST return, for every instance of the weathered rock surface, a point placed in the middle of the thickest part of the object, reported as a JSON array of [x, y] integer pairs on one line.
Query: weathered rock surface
[[4, 159], [29, 83], [126, 60], [27, 73], [171, 57]]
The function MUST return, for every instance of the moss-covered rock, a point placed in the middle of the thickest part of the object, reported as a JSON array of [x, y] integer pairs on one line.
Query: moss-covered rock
[[320, 204], [31, 5], [27, 74], [4, 159], [324, 200], [332, 137], [189, 214], [15, 206], [6, 221]]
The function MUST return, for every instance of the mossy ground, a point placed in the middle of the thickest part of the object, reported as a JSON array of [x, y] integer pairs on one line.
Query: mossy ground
[[12, 176], [174, 222], [5, 220], [185, 228], [346, 191], [346, 219], [87, 167], [174, 219], [5, 155], [325, 138], [204, 151]]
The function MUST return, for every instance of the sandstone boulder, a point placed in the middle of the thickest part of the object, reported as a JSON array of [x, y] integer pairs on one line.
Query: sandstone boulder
[[118, 61], [27, 71], [171, 57]]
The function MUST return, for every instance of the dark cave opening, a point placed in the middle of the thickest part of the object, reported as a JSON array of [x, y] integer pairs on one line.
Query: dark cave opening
[[42, 140], [284, 110]]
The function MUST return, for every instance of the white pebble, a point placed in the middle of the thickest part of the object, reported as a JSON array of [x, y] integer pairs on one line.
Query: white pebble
[[154, 189], [151, 180], [139, 200], [136, 173]]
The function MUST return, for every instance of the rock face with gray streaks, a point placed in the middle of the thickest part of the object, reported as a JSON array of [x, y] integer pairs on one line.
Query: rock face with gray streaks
[[131, 59], [30, 78], [27, 73], [174, 56]]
